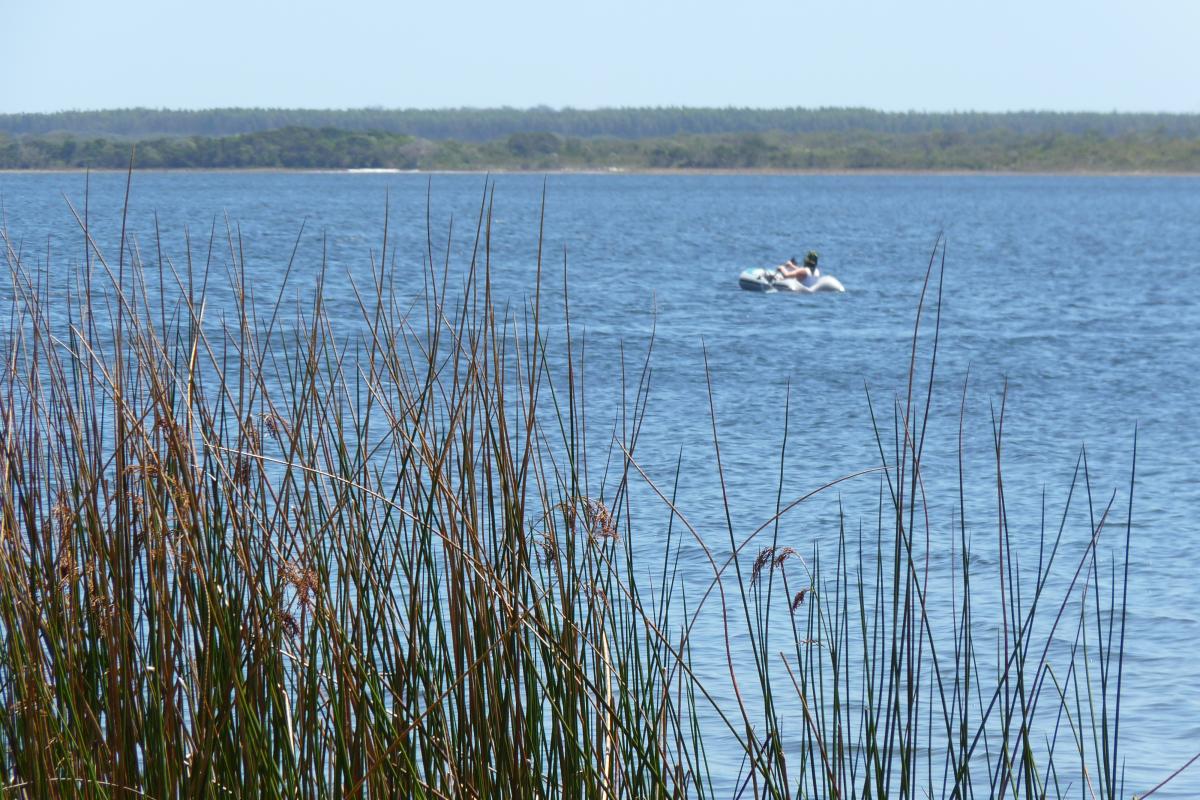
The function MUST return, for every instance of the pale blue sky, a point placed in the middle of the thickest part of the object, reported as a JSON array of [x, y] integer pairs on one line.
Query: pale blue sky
[[1101, 55]]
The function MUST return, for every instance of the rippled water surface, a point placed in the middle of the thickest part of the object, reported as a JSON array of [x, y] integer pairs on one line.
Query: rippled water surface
[[1082, 293]]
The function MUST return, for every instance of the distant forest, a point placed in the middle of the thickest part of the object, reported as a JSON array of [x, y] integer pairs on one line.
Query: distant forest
[[656, 138], [481, 125]]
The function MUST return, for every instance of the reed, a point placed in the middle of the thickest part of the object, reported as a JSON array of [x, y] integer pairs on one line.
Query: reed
[[274, 553]]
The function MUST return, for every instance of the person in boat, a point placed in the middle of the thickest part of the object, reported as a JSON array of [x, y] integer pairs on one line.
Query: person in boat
[[800, 272], [810, 261]]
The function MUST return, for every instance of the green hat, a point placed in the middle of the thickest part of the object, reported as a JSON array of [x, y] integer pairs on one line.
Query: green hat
[[810, 260]]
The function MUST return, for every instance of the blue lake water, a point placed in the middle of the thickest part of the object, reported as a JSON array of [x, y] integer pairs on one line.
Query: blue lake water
[[1082, 293]]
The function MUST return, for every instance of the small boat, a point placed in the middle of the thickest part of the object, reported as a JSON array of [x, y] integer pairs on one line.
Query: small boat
[[761, 279]]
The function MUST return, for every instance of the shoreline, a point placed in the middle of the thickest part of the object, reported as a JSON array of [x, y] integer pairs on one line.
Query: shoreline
[[617, 171]]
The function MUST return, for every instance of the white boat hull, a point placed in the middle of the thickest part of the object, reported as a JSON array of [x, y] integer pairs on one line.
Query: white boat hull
[[758, 279]]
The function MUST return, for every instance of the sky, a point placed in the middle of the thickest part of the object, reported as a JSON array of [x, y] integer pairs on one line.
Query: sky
[[924, 55]]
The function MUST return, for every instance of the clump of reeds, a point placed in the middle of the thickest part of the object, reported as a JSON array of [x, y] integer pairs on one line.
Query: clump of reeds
[[255, 556]]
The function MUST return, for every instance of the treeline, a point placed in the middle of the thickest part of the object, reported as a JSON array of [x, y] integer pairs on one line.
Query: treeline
[[483, 125], [332, 148], [289, 148]]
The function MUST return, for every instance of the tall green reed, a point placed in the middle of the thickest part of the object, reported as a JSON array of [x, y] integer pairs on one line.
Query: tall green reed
[[255, 555]]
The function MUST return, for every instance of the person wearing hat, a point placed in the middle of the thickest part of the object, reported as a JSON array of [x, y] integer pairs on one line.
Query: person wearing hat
[[801, 272], [810, 261]]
